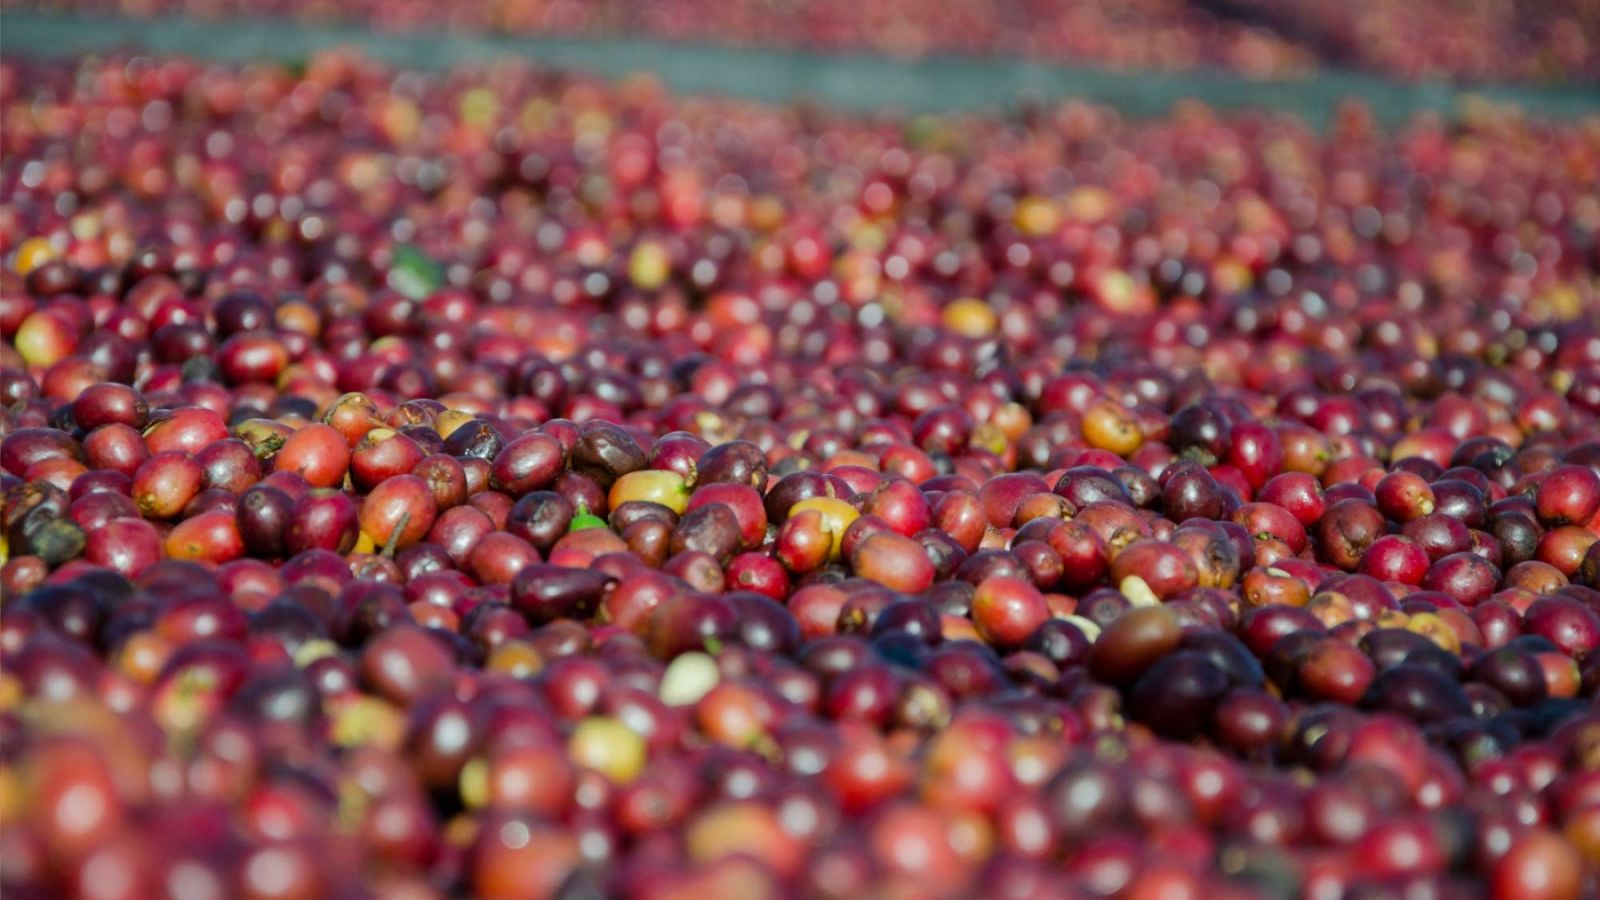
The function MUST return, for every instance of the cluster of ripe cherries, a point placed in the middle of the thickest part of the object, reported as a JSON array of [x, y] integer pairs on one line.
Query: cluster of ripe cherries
[[508, 485]]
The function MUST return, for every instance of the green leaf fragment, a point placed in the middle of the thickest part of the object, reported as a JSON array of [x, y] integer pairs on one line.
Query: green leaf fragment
[[414, 273]]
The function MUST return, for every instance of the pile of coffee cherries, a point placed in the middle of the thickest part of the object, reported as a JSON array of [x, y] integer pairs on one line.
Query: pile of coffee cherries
[[506, 484]]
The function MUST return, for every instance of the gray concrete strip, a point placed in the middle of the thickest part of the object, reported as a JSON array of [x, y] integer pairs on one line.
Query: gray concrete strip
[[855, 82]]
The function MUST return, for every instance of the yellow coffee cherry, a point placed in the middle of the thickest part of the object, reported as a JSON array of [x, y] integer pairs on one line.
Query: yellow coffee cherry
[[609, 747], [836, 516]]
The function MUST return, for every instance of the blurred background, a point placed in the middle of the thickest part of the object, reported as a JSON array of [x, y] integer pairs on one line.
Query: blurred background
[[1400, 58], [1464, 41]]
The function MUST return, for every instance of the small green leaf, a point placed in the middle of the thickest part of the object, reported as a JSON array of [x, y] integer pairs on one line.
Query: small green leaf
[[584, 520], [713, 645], [414, 274]]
